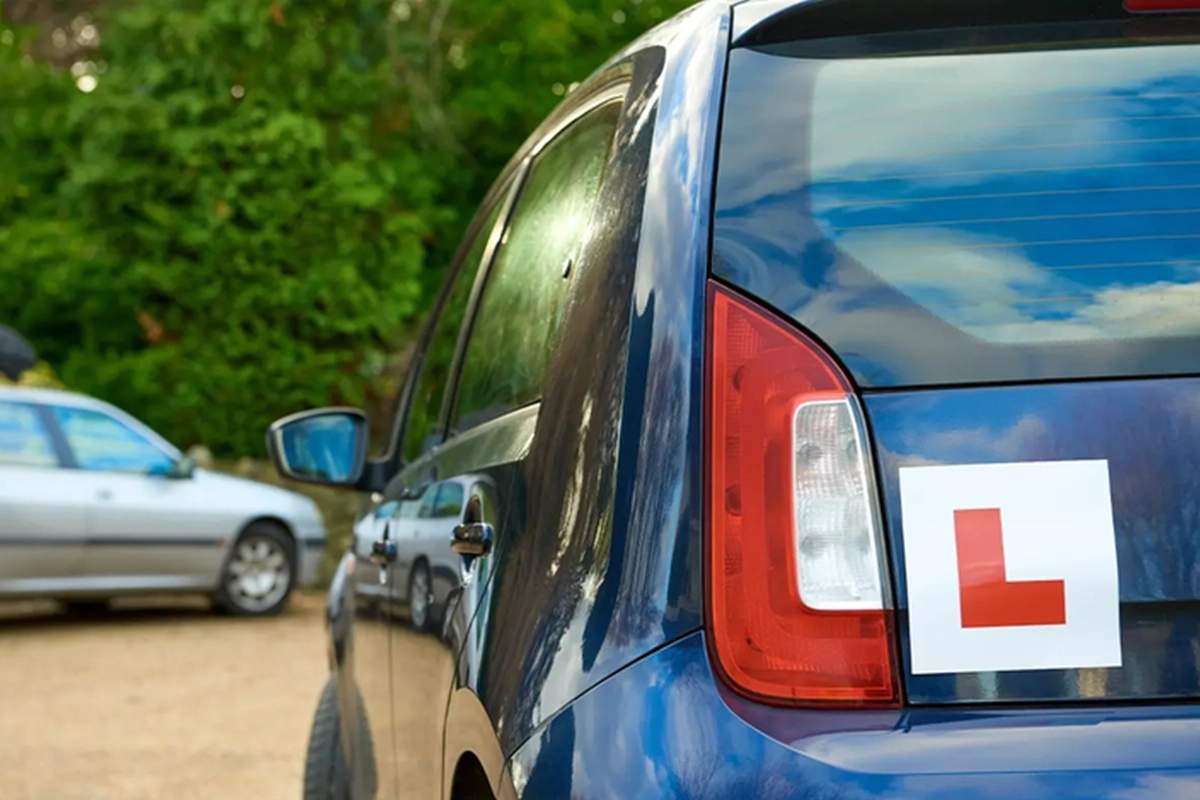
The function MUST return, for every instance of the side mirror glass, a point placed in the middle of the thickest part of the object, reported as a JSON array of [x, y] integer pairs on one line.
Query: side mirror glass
[[326, 446], [184, 469]]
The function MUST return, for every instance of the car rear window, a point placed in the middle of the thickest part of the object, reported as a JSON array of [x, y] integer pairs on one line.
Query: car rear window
[[962, 206]]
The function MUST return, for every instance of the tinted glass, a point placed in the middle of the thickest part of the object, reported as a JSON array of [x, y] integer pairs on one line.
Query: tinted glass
[[420, 430], [971, 216], [24, 440], [449, 500], [100, 442], [515, 329]]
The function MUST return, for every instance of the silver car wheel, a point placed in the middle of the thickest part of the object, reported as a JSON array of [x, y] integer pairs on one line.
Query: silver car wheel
[[258, 575]]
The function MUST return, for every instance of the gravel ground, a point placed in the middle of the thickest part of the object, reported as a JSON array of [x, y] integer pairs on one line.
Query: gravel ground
[[156, 700]]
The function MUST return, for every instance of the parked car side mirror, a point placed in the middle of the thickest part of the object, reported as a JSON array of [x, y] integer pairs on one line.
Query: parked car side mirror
[[326, 446], [184, 469]]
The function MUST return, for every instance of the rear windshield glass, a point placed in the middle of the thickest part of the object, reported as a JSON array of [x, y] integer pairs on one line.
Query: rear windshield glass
[[964, 207]]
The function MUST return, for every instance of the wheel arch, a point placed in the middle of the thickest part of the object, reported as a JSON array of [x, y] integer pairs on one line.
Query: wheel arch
[[470, 780], [269, 519]]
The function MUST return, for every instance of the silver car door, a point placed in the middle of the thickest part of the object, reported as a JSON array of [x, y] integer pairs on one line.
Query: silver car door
[[43, 505], [147, 530]]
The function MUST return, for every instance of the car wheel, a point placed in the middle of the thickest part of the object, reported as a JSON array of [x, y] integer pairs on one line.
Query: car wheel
[[420, 597], [259, 573], [326, 774]]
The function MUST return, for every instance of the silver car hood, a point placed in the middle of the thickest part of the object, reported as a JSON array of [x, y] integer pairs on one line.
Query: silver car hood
[[254, 497]]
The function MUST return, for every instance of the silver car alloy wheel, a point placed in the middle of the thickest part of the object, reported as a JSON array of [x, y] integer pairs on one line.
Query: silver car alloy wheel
[[258, 575]]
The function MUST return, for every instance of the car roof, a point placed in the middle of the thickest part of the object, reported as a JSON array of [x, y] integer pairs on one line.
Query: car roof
[[58, 397]]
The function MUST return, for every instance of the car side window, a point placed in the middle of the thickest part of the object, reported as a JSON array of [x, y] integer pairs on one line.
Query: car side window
[[408, 509], [449, 501], [100, 442], [24, 440], [387, 509], [425, 404], [517, 324]]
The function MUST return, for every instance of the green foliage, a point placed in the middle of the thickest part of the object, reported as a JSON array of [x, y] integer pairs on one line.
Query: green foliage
[[40, 376], [246, 213]]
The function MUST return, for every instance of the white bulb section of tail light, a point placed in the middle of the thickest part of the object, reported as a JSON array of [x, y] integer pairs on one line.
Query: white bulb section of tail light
[[836, 521]]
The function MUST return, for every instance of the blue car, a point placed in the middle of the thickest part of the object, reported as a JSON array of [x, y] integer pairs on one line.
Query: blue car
[[822, 385]]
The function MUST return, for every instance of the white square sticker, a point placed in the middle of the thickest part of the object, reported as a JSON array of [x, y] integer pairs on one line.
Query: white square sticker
[[1010, 567]]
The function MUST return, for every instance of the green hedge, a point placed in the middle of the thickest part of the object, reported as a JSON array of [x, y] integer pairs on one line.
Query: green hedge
[[252, 204]]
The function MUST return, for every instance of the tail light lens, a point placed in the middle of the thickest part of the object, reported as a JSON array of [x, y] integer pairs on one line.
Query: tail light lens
[[1162, 5], [797, 595]]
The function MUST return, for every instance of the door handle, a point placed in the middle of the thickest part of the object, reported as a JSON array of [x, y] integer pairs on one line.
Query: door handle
[[383, 552], [473, 539]]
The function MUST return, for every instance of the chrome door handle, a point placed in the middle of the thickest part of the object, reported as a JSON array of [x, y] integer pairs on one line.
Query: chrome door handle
[[473, 539]]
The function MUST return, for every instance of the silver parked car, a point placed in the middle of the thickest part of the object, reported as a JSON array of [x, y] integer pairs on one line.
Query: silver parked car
[[94, 504]]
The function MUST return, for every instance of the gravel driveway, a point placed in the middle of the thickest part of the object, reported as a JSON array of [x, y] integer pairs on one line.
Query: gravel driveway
[[168, 701]]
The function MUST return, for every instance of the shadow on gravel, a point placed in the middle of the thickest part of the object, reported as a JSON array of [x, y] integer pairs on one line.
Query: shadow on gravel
[[17, 616]]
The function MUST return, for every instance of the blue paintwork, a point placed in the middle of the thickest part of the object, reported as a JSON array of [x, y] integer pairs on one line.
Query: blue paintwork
[[1149, 432], [663, 728]]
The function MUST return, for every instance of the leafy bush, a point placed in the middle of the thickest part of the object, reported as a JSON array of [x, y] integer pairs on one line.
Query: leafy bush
[[41, 376], [237, 208]]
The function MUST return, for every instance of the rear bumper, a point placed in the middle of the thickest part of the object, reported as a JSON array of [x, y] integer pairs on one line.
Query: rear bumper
[[665, 728]]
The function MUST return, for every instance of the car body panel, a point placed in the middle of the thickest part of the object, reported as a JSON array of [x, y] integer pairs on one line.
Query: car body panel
[[42, 529], [173, 533], [665, 728]]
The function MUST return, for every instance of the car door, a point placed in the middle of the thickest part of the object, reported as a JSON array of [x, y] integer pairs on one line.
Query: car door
[[407, 751], [43, 505], [504, 358], [145, 530]]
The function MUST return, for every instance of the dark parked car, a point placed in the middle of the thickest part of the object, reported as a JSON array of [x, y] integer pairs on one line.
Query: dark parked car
[[833, 366]]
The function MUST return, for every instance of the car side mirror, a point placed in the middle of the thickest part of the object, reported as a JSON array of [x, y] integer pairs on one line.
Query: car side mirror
[[184, 469], [326, 446]]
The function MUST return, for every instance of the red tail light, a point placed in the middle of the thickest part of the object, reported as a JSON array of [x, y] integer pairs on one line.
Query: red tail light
[[1162, 5], [797, 590]]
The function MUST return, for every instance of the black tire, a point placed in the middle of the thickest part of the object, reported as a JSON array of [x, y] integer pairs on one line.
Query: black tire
[[421, 615], [85, 608], [326, 773], [274, 537]]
